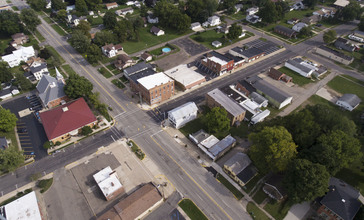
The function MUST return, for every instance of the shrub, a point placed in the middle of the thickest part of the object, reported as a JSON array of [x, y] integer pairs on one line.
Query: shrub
[[199, 39], [86, 130], [45, 184], [58, 143], [47, 145]]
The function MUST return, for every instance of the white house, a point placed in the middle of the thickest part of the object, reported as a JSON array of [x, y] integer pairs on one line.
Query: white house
[[125, 11], [238, 7], [297, 27], [39, 70], [195, 26], [325, 12], [49, 4], [253, 19], [156, 31], [297, 6], [73, 19], [301, 67], [8, 92], [111, 50], [348, 101], [152, 19], [70, 8], [182, 114], [252, 11], [21, 54], [216, 43], [214, 20]]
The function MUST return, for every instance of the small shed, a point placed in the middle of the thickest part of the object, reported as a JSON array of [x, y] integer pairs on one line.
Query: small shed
[[216, 44]]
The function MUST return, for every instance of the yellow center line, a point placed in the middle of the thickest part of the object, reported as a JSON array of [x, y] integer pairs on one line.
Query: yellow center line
[[85, 70], [189, 176]]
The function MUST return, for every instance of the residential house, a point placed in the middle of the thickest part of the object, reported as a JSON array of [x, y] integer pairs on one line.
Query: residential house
[[293, 21], [51, 90], [124, 11], [4, 143], [311, 20], [214, 20], [111, 5], [238, 7], [344, 44], [123, 61], [285, 31], [109, 183], [298, 66], [278, 75], [216, 98], [216, 43], [65, 121], [33, 62], [146, 56], [217, 63], [340, 202], [348, 101], [70, 8], [273, 187], [248, 54], [111, 50], [19, 39], [298, 27], [152, 19], [297, 6], [137, 205], [49, 4], [128, 72], [325, 12], [195, 26], [183, 114], [223, 28], [334, 55], [359, 33], [156, 31], [19, 55], [275, 96], [185, 77], [341, 3], [253, 19], [38, 71], [240, 168], [9, 92], [252, 11], [154, 88], [73, 20]]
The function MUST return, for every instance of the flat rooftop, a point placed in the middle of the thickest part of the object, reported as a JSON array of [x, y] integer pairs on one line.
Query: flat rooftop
[[184, 75], [154, 80], [26, 207], [227, 103], [108, 181]]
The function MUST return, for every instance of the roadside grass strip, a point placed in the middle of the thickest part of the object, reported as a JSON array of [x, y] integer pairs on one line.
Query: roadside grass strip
[[192, 210]]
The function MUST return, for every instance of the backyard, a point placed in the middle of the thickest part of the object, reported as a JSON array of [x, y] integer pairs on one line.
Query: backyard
[[296, 77], [255, 212]]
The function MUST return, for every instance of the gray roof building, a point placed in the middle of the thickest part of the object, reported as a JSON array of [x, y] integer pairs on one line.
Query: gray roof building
[[222, 145], [241, 166], [136, 68], [227, 103], [336, 53], [352, 99], [248, 53], [141, 74], [49, 89], [256, 97], [268, 89], [344, 44], [38, 68], [288, 32]]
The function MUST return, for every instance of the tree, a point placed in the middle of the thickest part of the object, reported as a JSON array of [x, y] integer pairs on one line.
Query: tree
[[94, 5], [305, 181], [62, 15], [58, 5], [10, 23], [7, 120], [310, 3], [37, 5], [81, 7], [269, 13], [104, 37], [93, 53], [78, 86], [171, 17], [229, 5], [30, 18], [273, 149], [84, 27], [22, 82], [305, 32], [234, 31], [335, 151], [109, 20], [5, 73], [86, 130], [10, 159], [45, 53], [350, 12], [217, 120], [79, 41], [329, 36], [361, 24]]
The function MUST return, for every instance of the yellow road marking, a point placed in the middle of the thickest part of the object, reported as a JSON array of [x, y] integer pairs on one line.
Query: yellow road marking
[[189, 176]]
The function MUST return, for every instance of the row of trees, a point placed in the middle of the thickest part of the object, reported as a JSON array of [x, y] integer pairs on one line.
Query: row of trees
[[12, 23], [308, 146]]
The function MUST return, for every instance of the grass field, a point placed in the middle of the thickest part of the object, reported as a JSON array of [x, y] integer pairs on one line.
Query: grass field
[[147, 39], [11, 136], [4, 43], [15, 8], [52, 71], [255, 212], [48, 20], [105, 72], [192, 210], [278, 209], [250, 185], [138, 152], [58, 29], [39, 36], [68, 69], [259, 196], [123, 79], [238, 195], [296, 77], [113, 69], [55, 53], [117, 83]]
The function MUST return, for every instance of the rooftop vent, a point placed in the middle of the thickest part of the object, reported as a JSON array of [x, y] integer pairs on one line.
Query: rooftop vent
[[64, 109], [343, 200]]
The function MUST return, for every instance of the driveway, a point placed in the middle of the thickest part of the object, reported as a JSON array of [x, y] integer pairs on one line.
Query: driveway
[[298, 211]]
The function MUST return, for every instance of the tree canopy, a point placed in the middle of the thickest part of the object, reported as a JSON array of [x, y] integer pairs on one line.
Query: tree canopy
[[361, 24], [58, 5], [5, 73], [78, 86], [329, 36], [7, 120], [22, 82], [37, 5], [234, 31], [273, 149], [109, 20], [30, 18], [170, 16], [217, 120], [200, 10], [79, 41], [310, 3], [93, 53], [10, 159], [10, 23], [269, 13], [350, 12], [81, 7], [305, 181], [104, 37]]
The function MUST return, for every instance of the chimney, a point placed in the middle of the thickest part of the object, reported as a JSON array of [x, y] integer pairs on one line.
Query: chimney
[[64, 109], [343, 200]]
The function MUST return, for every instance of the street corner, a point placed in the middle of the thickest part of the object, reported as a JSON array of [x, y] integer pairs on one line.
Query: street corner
[[165, 186]]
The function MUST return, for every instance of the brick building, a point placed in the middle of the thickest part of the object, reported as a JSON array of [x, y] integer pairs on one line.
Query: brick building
[[217, 63]]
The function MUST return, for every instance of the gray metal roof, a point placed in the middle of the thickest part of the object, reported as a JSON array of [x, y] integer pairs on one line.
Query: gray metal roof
[[270, 90], [50, 89], [248, 173], [222, 145], [258, 98], [226, 102], [297, 63], [352, 99], [251, 52], [137, 68], [336, 53], [342, 199], [342, 43], [38, 68], [238, 162]]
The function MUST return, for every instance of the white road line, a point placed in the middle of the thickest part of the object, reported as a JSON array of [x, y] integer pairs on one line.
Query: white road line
[[112, 138], [157, 132], [16, 186]]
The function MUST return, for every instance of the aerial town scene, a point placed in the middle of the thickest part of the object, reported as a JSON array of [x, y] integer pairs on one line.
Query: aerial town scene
[[181, 109]]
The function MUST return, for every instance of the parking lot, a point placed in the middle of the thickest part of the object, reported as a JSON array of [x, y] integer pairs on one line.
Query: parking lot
[[191, 47], [30, 130]]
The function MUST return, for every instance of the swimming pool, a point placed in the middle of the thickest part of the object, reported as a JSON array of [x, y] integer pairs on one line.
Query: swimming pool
[[166, 50]]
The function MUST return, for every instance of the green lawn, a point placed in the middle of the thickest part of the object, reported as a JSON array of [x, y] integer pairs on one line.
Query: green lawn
[[48, 20], [260, 196], [117, 83], [255, 212], [193, 126], [192, 210], [11, 136], [55, 53], [32, 42], [250, 185], [68, 69], [296, 77], [105, 72], [39, 36], [238, 195], [342, 85], [58, 29], [242, 131], [113, 69], [45, 184], [238, 16], [123, 79], [15, 8], [138, 152], [147, 39], [278, 209], [4, 43]]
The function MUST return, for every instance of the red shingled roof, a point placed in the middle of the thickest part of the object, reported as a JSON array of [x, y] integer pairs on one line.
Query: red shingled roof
[[66, 118]]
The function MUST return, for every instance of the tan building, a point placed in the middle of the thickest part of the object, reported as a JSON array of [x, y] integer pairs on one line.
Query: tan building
[[240, 168], [216, 98], [334, 55]]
